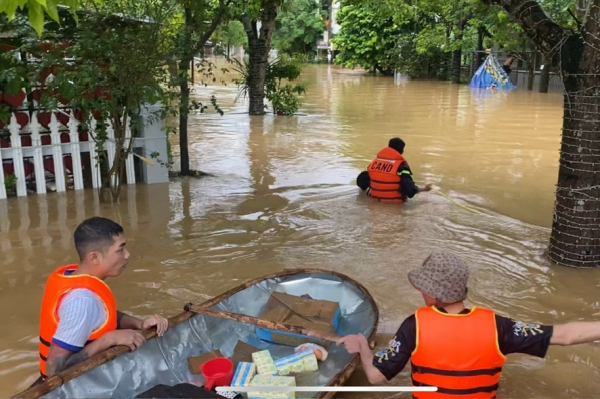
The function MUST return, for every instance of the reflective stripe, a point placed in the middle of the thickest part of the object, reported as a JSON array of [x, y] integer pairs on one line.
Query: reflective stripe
[[404, 172], [44, 342], [450, 391], [385, 182], [455, 373]]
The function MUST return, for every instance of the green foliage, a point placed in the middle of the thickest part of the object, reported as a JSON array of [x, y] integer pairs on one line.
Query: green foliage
[[284, 95], [10, 182], [299, 27], [558, 10], [368, 38], [36, 10], [107, 67]]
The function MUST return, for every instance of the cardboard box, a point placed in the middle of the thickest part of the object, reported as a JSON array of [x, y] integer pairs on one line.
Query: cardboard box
[[244, 374], [264, 363], [312, 314], [265, 380], [297, 363], [243, 352]]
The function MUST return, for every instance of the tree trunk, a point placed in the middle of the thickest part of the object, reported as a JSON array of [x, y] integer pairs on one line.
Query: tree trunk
[[480, 55], [530, 73], [575, 238], [258, 61], [545, 78], [456, 61], [184, 92], [259, 45], [184, 107]]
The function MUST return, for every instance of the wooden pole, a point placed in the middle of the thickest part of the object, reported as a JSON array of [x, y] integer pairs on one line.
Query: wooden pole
[[271, 325]]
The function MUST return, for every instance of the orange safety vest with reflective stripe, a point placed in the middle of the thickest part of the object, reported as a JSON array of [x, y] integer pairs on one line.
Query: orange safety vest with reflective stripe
[[383, 175], [457, 353], [57, 286]]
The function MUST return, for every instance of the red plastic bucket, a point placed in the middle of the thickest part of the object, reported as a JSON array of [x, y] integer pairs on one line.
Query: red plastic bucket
[[217, 372]]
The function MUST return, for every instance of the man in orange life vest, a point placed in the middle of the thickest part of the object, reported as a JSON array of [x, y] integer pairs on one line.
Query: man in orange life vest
[[388, 177], [78, 316], [461, 351]]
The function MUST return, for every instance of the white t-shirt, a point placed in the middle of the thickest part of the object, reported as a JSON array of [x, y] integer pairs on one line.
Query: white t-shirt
[[80, 313]]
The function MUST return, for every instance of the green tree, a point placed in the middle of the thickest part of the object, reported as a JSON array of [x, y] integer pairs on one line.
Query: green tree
[[299, 27], [96, 75], [37, 10], [368, 38], [259, 47]]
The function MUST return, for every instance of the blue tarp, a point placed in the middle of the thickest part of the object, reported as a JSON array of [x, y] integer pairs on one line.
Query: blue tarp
[[491, 73]]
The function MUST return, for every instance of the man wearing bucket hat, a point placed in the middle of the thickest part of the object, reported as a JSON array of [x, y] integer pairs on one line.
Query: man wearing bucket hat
[[459, 350]]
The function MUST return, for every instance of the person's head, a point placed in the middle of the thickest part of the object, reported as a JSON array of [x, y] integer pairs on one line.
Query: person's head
[[101, 247], [442, 279], [397, 144]]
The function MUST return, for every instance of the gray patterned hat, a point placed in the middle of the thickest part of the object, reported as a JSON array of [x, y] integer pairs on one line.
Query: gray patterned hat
[[443, 276]]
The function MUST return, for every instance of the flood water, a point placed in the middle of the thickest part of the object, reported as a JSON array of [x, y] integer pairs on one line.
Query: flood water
[[283, 196]]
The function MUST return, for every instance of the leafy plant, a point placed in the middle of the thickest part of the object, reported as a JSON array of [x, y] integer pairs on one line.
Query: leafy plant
[[10, 182], [283, 95]]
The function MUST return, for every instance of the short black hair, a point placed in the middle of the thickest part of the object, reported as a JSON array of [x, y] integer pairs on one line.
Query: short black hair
[[397, 144], [96, 233]]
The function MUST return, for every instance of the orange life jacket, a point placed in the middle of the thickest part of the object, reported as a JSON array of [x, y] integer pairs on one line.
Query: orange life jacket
[[459, 354], [383, 174], [57, 286]]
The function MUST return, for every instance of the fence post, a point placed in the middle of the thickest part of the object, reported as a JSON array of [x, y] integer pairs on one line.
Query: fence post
[[59, 169], [38, 155], [17, 156], [94, 156], [75, 152], [129, 166], [3, 194], [111, 149]]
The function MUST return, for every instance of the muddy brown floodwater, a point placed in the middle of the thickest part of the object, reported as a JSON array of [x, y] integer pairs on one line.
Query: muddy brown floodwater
[[284, 196]]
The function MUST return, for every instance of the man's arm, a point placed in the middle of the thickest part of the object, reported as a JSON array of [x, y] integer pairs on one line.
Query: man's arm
[[60, 358], [407, 185], [125, 321], [358, 344], [387, 362], [577, 332]]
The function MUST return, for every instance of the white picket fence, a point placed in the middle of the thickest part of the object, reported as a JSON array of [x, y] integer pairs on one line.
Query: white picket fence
[[48, 146]]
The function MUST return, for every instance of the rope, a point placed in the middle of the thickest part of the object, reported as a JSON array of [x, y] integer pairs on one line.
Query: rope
[[468, 208]]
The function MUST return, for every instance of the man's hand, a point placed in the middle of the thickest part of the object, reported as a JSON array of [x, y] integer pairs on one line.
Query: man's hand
[[354, 343], [427, 187], [132, 338], [160, 322]]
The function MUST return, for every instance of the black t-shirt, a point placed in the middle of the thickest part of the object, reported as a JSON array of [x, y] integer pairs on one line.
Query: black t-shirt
[[513, 337]]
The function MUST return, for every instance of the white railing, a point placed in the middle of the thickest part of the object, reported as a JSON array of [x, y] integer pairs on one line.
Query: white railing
[[48, 148]]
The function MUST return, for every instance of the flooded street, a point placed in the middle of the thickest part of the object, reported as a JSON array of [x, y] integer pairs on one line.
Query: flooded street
[[283, 196]]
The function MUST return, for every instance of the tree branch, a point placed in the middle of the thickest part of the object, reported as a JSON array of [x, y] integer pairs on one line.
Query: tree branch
[[214, 24], [547, 35]]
